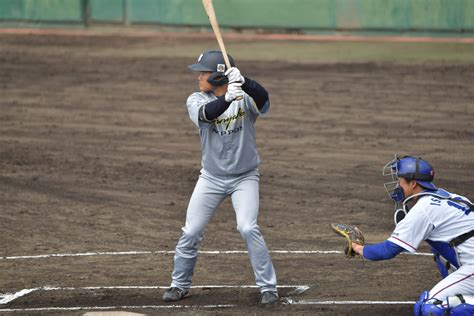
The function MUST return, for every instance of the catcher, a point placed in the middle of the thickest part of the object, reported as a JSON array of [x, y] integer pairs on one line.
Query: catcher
[[443, 219]]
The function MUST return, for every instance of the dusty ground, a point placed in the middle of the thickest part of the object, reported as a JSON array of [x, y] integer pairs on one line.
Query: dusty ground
[[97, 154]]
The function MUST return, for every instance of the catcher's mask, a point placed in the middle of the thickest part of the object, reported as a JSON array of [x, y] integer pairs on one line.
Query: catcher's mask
[[213, 61], [410, 168]]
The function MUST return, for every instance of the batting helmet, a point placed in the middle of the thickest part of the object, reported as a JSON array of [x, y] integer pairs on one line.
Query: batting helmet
[[213, 61]]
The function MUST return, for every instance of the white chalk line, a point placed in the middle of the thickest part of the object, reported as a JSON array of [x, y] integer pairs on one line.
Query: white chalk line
[[284, 300], [165, 252], [126, 307], [9, 297], [129, 307], [317, 302]]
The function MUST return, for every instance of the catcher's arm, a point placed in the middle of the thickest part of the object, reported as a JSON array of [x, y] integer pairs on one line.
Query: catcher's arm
[[355, 244]]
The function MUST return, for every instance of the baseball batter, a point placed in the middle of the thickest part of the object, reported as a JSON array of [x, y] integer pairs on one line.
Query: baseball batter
[[445, 220], [224, 112]]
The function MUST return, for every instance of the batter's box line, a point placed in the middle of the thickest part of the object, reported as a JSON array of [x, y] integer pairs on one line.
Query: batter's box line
[[288, 300], [102, 308], [166, 252], [10, 297], [217, 306], [292, 301]]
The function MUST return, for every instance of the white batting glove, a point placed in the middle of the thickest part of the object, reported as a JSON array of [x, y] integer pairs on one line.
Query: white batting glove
[[234, 75], [234, 91]]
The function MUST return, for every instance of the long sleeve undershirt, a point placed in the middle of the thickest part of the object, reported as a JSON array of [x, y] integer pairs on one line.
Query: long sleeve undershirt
[[382, 251], [256, 91], [215, 108]]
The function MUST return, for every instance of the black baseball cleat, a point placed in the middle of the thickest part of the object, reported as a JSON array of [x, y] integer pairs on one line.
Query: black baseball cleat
[[174, 294], [269, 297]]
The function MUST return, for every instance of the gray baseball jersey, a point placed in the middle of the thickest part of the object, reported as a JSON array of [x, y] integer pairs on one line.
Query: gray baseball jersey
[[228, 143]]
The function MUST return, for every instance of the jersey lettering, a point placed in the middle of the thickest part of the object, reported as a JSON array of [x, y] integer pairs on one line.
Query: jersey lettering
[[227, 132], [230, 119], [460, 207], [232, 134]]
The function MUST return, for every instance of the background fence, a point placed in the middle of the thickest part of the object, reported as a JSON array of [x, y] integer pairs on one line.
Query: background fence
[[453, 17]]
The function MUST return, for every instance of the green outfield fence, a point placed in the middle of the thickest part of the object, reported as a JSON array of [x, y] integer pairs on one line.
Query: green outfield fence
[[455, 17]]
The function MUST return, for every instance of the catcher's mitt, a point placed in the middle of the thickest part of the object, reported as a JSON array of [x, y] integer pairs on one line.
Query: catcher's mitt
[[352, 234]]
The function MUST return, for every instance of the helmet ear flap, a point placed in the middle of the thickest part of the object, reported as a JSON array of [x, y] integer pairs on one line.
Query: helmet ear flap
[[217, 79]]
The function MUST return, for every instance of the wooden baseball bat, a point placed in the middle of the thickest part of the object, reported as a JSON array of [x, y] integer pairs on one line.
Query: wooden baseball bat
[[209, 8]]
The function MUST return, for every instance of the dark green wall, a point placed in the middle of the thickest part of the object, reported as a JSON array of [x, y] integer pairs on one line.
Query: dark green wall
[[360, 15], [40, 10], [107, 10]]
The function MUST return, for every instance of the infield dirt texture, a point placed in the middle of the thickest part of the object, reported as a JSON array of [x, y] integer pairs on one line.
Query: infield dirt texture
[[97, 153]]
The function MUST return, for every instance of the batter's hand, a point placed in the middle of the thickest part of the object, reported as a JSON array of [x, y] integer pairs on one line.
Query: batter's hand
[[234, 91], [234, 75]]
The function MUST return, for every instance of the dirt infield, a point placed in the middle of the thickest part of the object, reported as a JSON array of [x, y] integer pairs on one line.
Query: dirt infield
[[97, 154]]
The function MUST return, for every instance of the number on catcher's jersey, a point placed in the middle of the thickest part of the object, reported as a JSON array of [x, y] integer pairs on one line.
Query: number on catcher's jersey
[[464, 209]]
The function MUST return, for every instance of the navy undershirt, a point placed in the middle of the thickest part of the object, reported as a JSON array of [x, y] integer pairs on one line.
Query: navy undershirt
[[218, 106], [256, 91]]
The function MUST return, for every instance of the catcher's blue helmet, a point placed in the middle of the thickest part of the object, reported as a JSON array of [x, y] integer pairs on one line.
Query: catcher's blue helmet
[[411, 168]]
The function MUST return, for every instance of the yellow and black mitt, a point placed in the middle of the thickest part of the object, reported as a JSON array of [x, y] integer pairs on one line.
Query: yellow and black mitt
[[352, 234]]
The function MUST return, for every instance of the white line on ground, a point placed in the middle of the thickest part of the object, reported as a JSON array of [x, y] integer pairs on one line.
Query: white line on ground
[[159, 252], [6, 298], [75, 308], [316, 302], [9, 297], [289, 301], [285, 300], [126, 287]]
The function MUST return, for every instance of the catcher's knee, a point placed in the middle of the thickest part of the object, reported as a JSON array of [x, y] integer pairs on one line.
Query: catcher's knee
[[462, 310], [458, 305], [428, 307]]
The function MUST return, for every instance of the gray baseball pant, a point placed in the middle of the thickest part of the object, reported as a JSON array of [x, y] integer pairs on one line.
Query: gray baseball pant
[[208, 193]]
